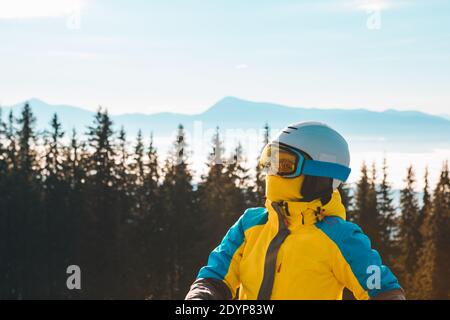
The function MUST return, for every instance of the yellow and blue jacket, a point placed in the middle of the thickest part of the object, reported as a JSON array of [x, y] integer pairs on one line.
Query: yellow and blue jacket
[[297, 250]]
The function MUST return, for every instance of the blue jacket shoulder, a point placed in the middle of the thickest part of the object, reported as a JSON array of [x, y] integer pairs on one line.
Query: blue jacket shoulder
[[253, 217], [338, 229]]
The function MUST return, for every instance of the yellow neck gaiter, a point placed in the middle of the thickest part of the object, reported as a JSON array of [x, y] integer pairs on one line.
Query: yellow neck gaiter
[[284, 190]]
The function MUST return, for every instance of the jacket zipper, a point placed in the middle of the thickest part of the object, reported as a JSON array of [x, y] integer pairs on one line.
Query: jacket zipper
[[270, 267]]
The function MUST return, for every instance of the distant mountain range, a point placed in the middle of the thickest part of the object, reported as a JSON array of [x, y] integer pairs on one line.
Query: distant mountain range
[[390, 130]]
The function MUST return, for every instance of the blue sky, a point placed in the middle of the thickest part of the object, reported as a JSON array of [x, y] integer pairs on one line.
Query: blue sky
[[182, 56]]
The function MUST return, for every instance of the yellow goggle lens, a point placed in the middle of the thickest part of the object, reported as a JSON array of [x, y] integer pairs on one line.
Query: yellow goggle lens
[[278, 161]]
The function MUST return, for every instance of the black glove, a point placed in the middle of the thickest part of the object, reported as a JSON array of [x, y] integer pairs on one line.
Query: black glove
[[396, 294], [208, 289]]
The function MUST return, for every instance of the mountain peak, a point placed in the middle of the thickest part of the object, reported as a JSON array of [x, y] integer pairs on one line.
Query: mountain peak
[[229, 99], [36, 102], [33, 102], [34, 99], [229, 106]]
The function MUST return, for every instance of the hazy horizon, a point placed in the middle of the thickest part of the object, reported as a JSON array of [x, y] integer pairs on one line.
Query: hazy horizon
[[95, 108], [199, 144]]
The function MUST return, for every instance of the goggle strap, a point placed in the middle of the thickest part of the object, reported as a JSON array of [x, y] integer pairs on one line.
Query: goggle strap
[[325, 169]]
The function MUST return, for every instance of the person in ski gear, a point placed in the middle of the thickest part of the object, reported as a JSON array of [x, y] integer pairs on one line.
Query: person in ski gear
[[300, 245]]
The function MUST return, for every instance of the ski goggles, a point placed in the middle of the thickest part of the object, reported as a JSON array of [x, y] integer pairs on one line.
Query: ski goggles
[[280, 160]]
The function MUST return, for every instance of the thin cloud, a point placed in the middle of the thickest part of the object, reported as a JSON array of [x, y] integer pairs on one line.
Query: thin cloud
[[376, 5], [73, 54], [341, 6], [241, 66], [23, 9]]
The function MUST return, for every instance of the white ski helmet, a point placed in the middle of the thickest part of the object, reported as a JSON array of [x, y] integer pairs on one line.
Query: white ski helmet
[[322, 144]]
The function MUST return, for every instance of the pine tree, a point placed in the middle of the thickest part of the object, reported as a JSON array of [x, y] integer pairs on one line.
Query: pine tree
[[420, 287], [211, 187], [8, 207], [138, 163], [11, 138], [181, 219], [408, 233], [27, 214], [365, 211], [260, 180], [102, 214], [75, 175], [153, 172], [4, 215], [102, 159], [387, 215], [154, 227], [53, 156], [237, 189], [122, 156], [373, 228], [3, 154], [236, 167], [151, 180], [54, 200], [76, 157], [27, 155], [426, 207], [360, 196], [134, 177], [126, 189], [214, 191], [431, 279]]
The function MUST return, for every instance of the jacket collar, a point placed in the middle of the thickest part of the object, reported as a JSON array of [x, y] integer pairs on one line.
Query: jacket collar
[[297, 213]]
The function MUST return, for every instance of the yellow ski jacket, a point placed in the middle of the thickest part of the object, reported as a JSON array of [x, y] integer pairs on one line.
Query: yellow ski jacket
[[297, 250]]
